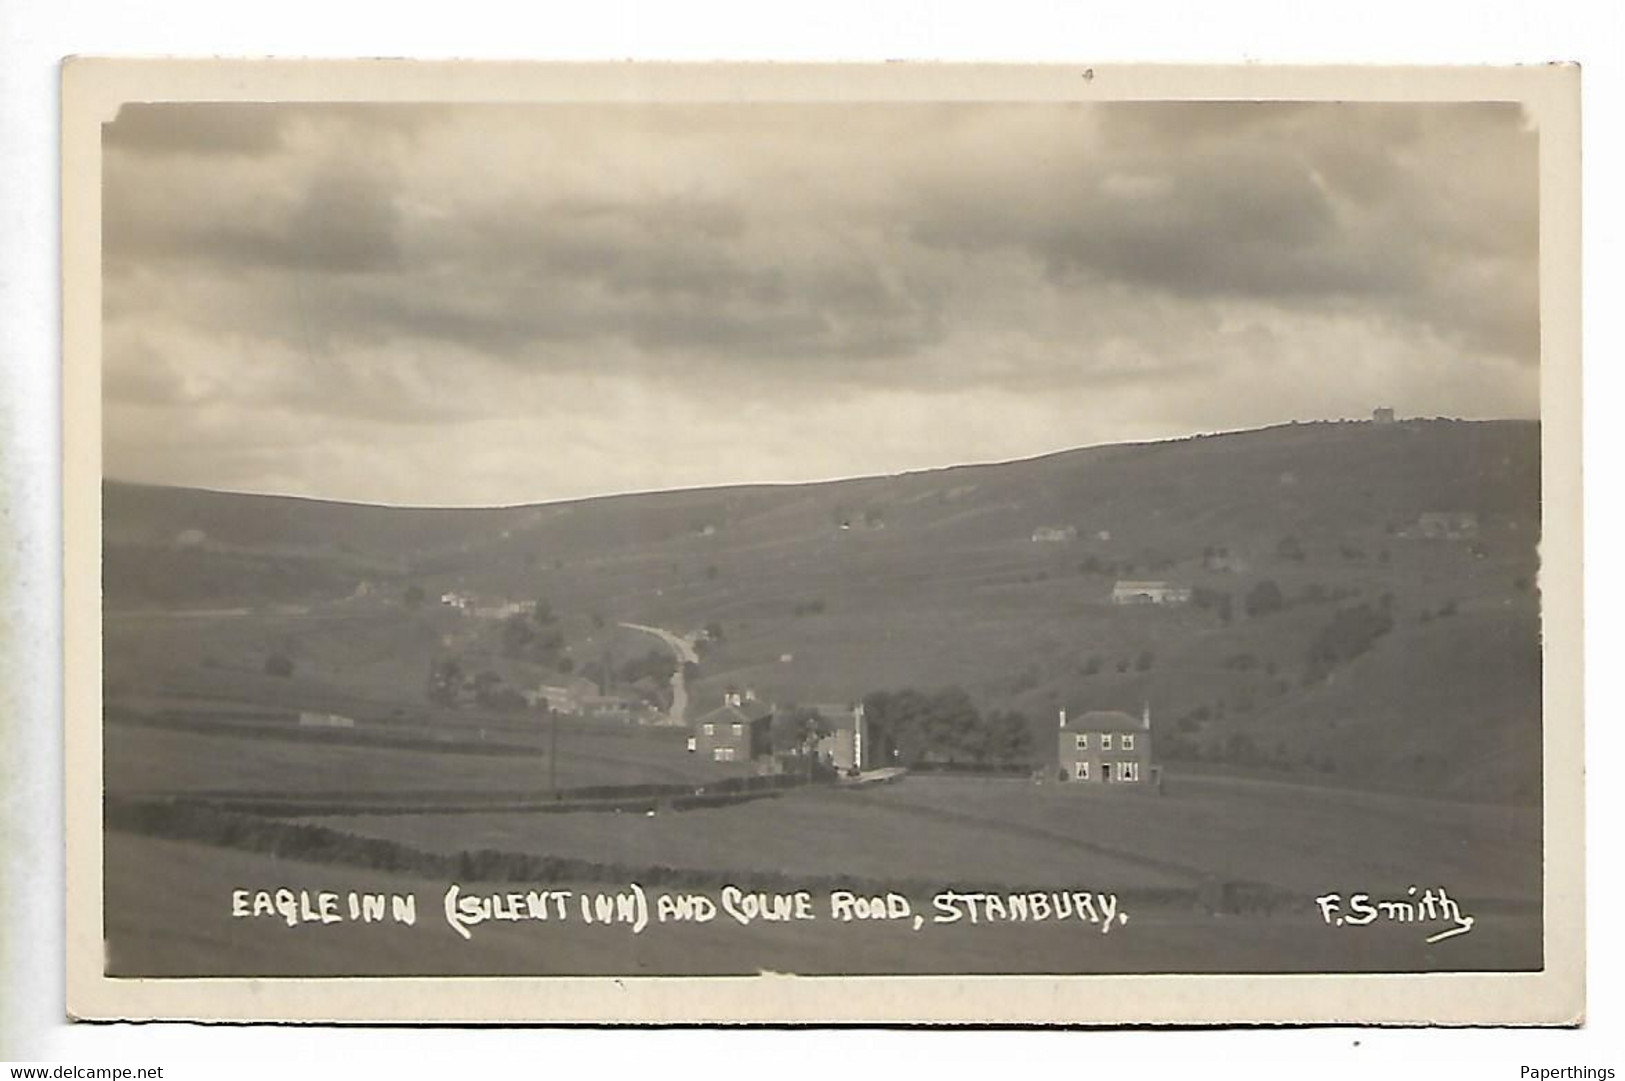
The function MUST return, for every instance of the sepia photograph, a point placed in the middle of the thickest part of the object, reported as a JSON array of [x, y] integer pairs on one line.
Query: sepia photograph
[[810, 530]]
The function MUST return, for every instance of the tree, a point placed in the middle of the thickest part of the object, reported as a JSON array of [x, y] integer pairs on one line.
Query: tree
[[1010, 737], [656, 664], [945, 726], [1290, 548], [1350, 633], [517, 635], [413, 597], [542, 613], [713, 630], [280, 665], [1264, 598], [445, 680], [797, 729]]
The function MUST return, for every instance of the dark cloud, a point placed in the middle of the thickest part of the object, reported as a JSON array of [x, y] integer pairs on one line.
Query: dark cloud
[[412, 269], [196, 128], [1290, 204], [337, 222]]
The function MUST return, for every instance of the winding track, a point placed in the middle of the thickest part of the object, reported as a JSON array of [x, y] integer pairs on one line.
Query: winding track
[[684, 649]]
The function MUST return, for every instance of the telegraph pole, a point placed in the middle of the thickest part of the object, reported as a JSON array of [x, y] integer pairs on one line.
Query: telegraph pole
[[553, 754]]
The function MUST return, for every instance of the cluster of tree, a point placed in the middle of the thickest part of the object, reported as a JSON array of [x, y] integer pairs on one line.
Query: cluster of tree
[[1350, 633], [1143, 661], [946, 726], [1108, 568], [1218, 600], [1316, 593], [279, 664], [1240, 749], [450, 685], [445, 682], [657, 665], [797, 729], [647, 674], [536, 637]]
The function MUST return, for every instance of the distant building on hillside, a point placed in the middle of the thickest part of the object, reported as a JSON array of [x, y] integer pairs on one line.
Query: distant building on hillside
[[566, 697], [740, 730], [605, 707], [1107, 747], [848, 746], [1382, 415], [1127, 592], [1448, 525], [502, 609], [311, 719], [1055, 534], [454, 599]]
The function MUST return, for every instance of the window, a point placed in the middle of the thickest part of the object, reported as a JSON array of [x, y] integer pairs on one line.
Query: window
[[1128, 742], [723, 754], [1128, 771], [739, 729], [1083, 741], [1081, 770], [710, 729], [1106, 741]]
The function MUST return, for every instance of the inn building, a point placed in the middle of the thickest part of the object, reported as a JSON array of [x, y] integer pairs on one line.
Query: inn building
[[1107, 747]]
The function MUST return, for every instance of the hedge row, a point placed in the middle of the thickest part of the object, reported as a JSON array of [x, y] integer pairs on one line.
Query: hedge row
[[602, 798], [320, 844]]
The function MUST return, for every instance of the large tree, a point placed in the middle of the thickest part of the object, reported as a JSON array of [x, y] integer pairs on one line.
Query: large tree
[[797, 729]]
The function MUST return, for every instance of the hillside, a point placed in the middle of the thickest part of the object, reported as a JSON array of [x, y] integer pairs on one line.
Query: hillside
[[824, 592]]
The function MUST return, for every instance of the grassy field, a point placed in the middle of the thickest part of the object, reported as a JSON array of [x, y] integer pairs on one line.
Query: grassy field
[[167, 762], [1415, 761], [826, 592], [1010, 834]]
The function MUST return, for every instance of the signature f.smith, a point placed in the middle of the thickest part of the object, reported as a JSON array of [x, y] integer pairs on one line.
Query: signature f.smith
[[1431, 906]]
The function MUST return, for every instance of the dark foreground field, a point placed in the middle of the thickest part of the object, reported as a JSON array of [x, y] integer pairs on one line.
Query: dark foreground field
[[169, 914], [1220, 875]]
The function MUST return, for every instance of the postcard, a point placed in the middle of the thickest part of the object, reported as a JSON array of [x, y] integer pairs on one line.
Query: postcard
[[708, 543]]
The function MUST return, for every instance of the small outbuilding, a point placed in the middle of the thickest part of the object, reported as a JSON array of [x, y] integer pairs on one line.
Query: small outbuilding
[[1142, 592]]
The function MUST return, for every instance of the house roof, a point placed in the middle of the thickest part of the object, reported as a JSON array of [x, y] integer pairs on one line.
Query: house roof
[[1146, 584], [729, 715], [1104, 720]]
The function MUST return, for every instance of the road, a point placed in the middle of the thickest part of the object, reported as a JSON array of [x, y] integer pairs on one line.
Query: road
[[684, 651]]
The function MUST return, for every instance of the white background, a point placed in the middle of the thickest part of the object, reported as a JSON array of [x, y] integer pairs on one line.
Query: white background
[[34, 36]]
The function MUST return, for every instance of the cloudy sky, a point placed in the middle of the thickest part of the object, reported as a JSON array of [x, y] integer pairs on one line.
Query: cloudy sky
[[500, 304]]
